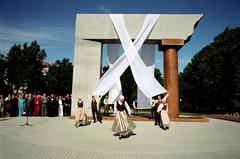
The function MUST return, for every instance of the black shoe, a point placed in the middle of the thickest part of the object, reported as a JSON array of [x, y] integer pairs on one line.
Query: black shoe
[[94, 121], [120, 137], [100, 121]]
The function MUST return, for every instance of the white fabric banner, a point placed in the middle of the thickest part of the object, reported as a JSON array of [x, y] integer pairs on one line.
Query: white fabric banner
[[113, 51], [145, 81], [147, 54]]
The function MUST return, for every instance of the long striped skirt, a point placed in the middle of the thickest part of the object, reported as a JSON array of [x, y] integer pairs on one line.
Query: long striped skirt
[[122, 123], [165, 118], [79, 114]]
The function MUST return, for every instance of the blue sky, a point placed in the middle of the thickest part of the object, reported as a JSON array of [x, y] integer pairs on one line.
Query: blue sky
[[52, 22]]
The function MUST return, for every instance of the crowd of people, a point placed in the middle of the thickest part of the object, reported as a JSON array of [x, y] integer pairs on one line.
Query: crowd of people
[[35, 105], [43, 105]]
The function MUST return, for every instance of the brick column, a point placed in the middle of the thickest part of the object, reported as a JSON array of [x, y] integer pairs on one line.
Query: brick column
[[170, 49]]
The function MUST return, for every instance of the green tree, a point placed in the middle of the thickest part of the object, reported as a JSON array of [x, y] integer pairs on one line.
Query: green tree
[[2, 69], [211, 81], [158, 76], [24, 68], [4, 88], [60, 77], [129, 86]]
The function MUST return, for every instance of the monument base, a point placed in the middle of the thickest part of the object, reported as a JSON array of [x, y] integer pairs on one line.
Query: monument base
[[141, 118]]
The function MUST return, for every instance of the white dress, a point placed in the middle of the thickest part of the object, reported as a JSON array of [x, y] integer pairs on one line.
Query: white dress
[[164, 115], [60, 108]]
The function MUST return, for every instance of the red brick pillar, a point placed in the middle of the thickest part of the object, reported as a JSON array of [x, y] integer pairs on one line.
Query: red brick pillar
[[170, 49]]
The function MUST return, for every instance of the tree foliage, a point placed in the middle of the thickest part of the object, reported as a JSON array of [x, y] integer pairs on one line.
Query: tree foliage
[[60, 77], [2, 69], [211, 81], [24, 67], [4, 87]]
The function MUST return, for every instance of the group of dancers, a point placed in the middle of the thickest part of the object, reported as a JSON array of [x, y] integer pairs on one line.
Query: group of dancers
[[123, 124]]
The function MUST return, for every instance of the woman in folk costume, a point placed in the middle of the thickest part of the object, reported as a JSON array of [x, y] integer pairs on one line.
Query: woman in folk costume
[[122, 123], [163, 111], [81, 116]]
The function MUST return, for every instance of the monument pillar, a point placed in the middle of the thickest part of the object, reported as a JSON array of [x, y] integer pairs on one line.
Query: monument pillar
[[168, 29], [170, 49]]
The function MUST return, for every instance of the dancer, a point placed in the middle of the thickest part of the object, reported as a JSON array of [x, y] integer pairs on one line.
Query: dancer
[[106, 106], [156, 113], [122, 123], [135, 109], [152, 102], [163, 111], [81, 117], [95, 111]]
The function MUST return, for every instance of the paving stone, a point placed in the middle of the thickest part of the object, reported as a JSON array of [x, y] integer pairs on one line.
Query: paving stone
[[58, 138]]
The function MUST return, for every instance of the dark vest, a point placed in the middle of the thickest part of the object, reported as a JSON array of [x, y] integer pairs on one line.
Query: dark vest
[[80, 104], [94, 104], [121, 107], [164, 107]]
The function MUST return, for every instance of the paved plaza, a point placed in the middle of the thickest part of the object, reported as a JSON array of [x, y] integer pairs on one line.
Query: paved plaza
[[58, 138]]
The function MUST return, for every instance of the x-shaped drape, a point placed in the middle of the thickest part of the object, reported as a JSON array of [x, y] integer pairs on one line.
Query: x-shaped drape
[[143, 78]]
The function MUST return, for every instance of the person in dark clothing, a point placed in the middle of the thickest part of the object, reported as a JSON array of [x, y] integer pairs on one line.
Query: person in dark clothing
[[156, 113], [68, 105], [14, 110], [31, 103], [52, 104], [95, 111]]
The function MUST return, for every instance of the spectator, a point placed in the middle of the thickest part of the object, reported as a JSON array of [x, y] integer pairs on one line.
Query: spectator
[[44, 105], [30, 104], [21, 105], [60, 106], [67, 105], [1, 106], [7, 106], [14, 109], [37, 102], [51, 106]]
